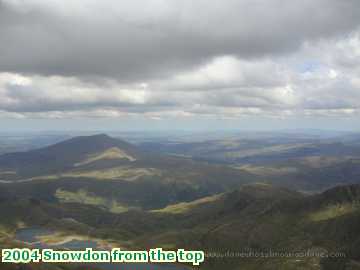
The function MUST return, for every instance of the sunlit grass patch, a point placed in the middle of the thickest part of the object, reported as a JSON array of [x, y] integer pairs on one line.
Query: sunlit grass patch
[[111, 153], [181, 208], [83, 197], [334, 211], [267, 170], [125, 173]]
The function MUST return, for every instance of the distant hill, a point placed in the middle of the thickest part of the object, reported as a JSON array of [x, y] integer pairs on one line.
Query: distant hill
[[235, 196], [307, 164], [64, 156], [112, 173], [116, 175], [257, 151]]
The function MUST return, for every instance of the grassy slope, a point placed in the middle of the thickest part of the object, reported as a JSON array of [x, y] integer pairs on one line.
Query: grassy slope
[[66, 155], [148, 184], [264, 218], [113, 170], [305, 164], [258, 217]]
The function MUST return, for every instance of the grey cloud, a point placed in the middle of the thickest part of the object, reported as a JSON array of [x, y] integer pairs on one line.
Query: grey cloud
[[131, 42], [178, 58], [44, 94]]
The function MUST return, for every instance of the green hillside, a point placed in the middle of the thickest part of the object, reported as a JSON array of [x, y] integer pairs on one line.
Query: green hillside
[[114, 172], [107, 190], [251, 220], [65, 156]]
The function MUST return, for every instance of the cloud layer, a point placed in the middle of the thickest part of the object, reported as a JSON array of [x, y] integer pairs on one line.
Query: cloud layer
[[179, 58]]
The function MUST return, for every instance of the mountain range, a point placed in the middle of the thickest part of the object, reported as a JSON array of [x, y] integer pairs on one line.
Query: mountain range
[[121, 194]]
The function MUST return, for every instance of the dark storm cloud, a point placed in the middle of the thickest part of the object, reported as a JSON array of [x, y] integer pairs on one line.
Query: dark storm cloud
[[130, 41]]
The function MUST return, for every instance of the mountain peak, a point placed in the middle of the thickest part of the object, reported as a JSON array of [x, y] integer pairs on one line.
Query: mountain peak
[[93, 141], [84, 145], [67, 154], [100, 136]]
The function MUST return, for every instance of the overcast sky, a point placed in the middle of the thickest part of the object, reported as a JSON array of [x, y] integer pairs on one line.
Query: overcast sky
[[189, 64]]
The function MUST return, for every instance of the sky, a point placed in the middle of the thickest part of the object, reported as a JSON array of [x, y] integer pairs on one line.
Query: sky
[[169, 64]]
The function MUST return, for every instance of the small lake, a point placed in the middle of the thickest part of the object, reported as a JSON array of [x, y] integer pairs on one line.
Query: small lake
[[31, 236]]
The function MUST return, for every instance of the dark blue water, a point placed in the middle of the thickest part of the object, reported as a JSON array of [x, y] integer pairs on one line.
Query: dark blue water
[[30, 236], [78, 245]]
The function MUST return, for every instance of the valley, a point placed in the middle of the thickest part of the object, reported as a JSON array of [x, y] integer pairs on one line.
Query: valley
[[103, 192]]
